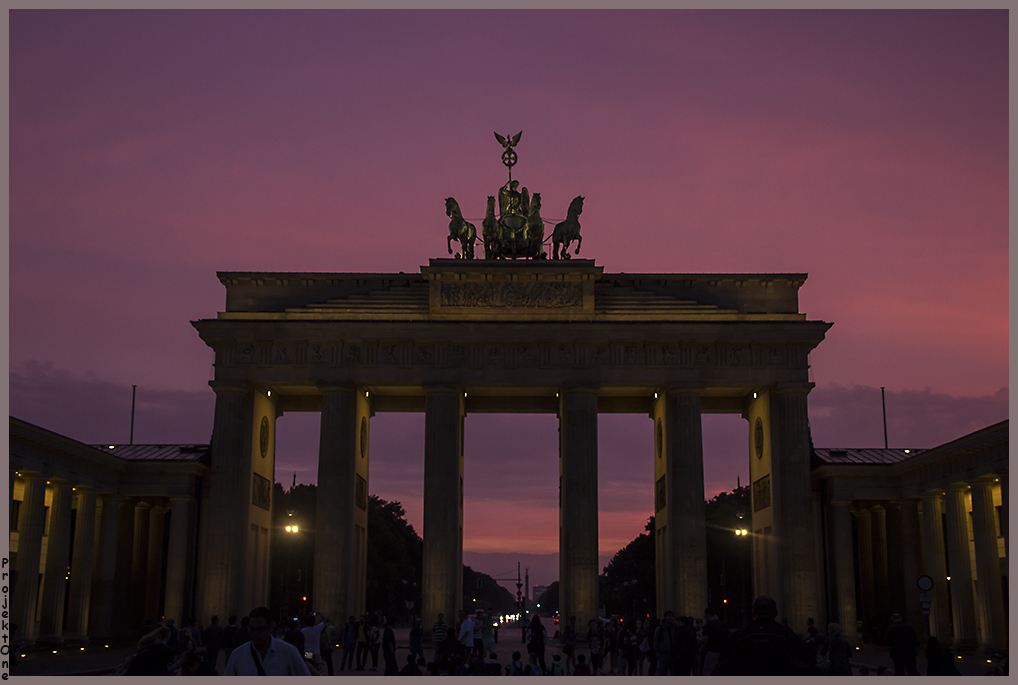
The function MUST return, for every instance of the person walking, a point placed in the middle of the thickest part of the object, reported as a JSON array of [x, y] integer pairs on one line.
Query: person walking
[[569, 645], [417, 641], [664, 644], [361, 655], [374, 639], [595, 643], [389, 647], [836, 651], [537, 638], [348, 641], [466, 635], [439, 630], [901, 642], [264, 654], [939, 660], [766, 647], [213, 638], [714, 633], [229, 637]]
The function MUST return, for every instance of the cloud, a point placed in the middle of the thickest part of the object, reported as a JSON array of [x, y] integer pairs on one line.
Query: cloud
[[843, 416], [93, 410]]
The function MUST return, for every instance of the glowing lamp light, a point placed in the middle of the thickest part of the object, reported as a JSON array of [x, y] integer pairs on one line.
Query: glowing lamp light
[[724, 601], [908, 451], [304, 598], [54, 651], [82, 648], [268, 393], [949, 578], [754, 396], [112, 446]]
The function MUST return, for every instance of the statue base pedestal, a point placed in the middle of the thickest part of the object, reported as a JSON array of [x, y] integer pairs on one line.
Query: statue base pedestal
[[501, 289]]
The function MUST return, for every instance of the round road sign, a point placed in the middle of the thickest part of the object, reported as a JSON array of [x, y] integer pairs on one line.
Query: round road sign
[[924, 583]]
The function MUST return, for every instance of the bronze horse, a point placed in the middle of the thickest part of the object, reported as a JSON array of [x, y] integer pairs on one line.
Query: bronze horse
[[490, 231], [535, 227], [460, 229], [567, 231]]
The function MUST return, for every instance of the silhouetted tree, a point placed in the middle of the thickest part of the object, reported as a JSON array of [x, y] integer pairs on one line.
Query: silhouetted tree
[[628, 585]]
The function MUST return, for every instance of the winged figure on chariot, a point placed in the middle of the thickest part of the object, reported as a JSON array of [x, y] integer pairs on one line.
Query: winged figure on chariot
[[518, 229]]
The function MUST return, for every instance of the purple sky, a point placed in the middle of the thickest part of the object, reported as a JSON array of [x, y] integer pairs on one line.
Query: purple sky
[[869, 149]]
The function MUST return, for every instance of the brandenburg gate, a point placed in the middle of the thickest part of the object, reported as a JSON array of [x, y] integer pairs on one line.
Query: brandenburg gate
[[516, 331], [537, 336]]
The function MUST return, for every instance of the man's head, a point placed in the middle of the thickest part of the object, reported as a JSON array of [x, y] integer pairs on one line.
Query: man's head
[[215, 620], [669, 618], [710, 614], [351, 620], [441, 617], [232, 620], [765, 607], [895, 618], [259, 625]]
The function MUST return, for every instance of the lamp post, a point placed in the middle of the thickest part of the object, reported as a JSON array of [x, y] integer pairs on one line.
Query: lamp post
[[292, 530], [742, 533]]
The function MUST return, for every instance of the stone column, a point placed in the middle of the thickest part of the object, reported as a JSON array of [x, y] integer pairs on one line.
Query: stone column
[[100, 622], [176, 559], [991, 594], [58, 550], [139, 567], [32, 517], [792, 501], [686, 532], [895, 571], [123, 574], [869, 607], [843, 562], [578, 571], [881, 587], [442, 574], [960, 567], [935, 565], [153, 581], [225, 514], [334, 529], [81, 567], [1002, 477], [908, 551]]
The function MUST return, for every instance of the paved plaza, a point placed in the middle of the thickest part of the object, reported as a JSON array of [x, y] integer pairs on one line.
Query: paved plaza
[[102, 660]]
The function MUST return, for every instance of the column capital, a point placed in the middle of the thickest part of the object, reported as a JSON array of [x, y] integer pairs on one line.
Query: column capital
[[986, 479], [579, 387], [224, 387], [792, 388], [442, 387], [931, 494], [957, 487], [685, 389], [334, 387], [142, 504]]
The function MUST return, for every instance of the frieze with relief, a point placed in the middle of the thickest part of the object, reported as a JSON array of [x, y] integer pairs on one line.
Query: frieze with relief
[[524, 353], [534, 295]]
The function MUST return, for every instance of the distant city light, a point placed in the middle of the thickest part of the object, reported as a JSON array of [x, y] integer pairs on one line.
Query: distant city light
[[112, 446]]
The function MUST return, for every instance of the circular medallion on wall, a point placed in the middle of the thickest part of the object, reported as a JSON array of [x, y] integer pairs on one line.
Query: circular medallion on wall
[[657, 439], [263, 436], [364, 437], [758, 437]]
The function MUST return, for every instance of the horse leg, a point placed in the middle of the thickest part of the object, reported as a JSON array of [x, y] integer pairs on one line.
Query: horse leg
[[448, 243], [579, 239]]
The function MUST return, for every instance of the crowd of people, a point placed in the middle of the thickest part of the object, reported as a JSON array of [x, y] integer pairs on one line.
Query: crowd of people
[[671, 645]]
